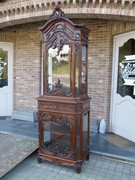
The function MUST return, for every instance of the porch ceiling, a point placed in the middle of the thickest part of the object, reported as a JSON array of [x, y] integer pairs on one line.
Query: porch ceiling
[[14, 12]]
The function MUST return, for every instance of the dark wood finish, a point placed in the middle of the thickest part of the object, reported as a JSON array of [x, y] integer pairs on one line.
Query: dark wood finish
[[63, 109]]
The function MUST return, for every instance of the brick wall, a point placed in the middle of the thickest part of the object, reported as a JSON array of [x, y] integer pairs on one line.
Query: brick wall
[[100, 68], [27, 63], [13, 12]]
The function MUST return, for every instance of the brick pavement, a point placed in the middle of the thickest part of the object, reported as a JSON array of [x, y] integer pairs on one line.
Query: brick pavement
[[97, 168]]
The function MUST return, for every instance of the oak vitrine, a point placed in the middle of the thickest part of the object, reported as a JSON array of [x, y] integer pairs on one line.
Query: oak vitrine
[[64, 107]]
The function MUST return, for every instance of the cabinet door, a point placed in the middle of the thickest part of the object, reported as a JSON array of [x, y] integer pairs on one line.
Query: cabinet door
[[84, 71], [59, 69], [57, 136]]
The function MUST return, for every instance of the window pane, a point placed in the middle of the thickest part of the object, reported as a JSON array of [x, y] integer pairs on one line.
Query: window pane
[[3, 68], [126, 70]]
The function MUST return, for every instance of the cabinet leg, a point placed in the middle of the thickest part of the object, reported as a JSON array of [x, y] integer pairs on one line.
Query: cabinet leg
[[39, 160], [78, 167], [87, 157]]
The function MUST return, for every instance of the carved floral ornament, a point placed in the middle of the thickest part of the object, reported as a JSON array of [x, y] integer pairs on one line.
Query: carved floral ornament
[[59, 42], [60, 119], [67, 154]]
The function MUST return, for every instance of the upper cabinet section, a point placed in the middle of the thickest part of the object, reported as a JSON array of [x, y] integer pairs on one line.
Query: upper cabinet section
[[58, 22], [65, 56]]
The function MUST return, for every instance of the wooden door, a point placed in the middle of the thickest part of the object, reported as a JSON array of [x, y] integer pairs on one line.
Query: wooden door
[[123, 86]]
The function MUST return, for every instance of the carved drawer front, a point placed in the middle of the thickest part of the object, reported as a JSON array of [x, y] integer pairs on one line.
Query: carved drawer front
[[57, 107]]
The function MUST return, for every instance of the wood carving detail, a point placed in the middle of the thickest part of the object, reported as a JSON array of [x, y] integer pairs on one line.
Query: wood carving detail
[[77, 47], [56, 107], [57, 90], [59, 42], [57, 14], [60, 119], [86, 105], [68, 152], [57, 28], [78, 118]]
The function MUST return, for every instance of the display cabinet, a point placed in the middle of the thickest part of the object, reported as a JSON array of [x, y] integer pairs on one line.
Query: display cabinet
[[64, 107]]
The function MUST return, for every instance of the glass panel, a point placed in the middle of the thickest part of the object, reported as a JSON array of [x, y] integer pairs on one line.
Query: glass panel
[[85, 131], [57, 137], [78, 137], [126, 69], [83, 69], [59, 67], [3, 68], [77, 71]]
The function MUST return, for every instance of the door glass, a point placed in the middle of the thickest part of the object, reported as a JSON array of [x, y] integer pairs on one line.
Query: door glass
[[83, 91], [59, 68], [126, 69], [3, 68], [77, 71], [57, 139], [85, 131]]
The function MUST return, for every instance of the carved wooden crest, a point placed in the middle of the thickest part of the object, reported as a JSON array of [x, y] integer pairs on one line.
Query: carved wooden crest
[[57, 13]]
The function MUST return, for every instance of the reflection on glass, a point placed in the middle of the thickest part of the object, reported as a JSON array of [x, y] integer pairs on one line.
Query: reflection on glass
[[85, 131], [59, 67], [3, 68], [126, 69], [83, 69], [77, 71], [57, 136]]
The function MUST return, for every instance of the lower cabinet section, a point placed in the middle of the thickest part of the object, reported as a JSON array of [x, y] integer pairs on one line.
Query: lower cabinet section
[[64, 137]]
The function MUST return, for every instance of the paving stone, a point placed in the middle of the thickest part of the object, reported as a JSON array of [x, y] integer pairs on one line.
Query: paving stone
[[100, 178], [105, 170], [132, 178]]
